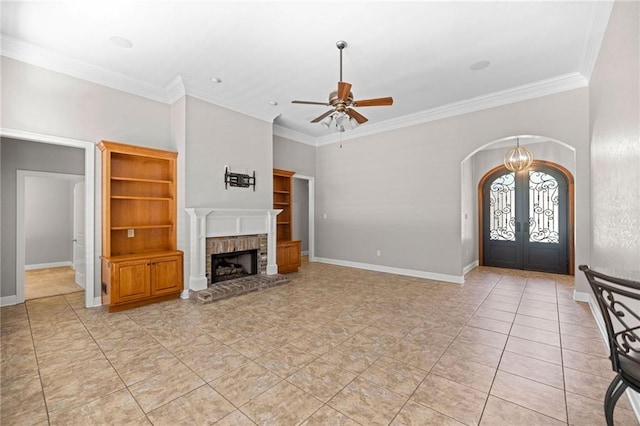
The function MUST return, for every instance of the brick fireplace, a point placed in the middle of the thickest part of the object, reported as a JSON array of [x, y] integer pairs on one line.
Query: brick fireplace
[[213, 229], [235, 250]]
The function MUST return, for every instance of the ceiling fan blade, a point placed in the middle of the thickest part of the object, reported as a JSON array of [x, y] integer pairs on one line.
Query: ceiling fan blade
[[373, 102], [356, 116], [315, 120], [310, 103], [343, 90]]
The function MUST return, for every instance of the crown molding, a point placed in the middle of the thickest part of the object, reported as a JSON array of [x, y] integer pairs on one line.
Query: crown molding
[[595, 35], [293, 135], [492, 100], [46, 58], [175, 89], [205, 93]]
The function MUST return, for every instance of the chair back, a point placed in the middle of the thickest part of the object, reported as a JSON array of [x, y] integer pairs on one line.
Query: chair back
[[619, 302]]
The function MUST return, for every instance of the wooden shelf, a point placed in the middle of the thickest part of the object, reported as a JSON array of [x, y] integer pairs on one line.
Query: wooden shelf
[[124, 228], [133, 179], [139, 193], [287, 251], [131, 197]]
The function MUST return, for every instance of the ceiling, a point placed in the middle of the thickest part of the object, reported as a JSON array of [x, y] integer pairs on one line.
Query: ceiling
[[266, 52]]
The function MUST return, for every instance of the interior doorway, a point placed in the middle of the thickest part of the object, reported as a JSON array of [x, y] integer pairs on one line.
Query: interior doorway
[[54, 246], [526, 218], [89, 225], [304, 209]]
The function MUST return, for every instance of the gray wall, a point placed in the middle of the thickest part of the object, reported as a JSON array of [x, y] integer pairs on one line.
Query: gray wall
[[217, 137], [23, 155], [48, 220], [295, 156], [615, 145], [400, 191]]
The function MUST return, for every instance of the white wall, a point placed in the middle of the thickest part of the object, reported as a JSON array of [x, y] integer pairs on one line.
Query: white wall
[[615, 145], [48, 220], [400, 191]]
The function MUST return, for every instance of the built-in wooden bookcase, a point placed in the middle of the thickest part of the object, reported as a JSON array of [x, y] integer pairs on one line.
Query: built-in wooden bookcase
[[140, 261], [288, 256]]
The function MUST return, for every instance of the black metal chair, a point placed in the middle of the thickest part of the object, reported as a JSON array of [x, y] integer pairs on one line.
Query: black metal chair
[[619, 302]]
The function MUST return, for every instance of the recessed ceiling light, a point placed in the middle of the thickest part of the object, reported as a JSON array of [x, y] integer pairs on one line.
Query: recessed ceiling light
[[273, 103], [216, 80], [121, 42], [480, 65]]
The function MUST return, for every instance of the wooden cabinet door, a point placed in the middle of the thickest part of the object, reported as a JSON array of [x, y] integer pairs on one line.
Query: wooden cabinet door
[[166, 275], [132, 281], [288, 256]]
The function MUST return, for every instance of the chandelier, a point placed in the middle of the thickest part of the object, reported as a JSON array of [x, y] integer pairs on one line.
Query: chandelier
[[518, 158]]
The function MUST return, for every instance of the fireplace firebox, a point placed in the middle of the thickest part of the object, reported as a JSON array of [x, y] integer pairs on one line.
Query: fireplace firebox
[[230, 266]]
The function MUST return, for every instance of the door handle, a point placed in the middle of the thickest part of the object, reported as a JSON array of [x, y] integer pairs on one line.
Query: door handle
[[74, 241]]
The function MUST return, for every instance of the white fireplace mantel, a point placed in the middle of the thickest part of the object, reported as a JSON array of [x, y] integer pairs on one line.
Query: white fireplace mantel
[[206, 222]]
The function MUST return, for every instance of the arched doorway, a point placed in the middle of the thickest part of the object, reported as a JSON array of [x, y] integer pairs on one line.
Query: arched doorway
[[526, 218]]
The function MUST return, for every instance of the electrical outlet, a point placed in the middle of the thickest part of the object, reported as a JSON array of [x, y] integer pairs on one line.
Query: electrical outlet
[[131, 233], [324, 216], [378, 253]]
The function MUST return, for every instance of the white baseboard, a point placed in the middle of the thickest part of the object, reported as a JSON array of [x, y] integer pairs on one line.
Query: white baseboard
[[634, 397], [97, 301], [392, 270], [8, 300], [470, 267], [184, 294], [48, 265], [305, 252]]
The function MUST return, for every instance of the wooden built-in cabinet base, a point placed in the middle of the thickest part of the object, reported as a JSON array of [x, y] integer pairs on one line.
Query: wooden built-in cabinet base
[[139, 279], [288, 256]]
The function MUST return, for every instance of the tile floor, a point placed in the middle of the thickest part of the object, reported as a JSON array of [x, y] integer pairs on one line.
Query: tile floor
[[49, 282], [335, 346]]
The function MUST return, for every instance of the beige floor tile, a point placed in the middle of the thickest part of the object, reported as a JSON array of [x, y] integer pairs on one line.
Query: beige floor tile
[[534, 350], [64, 391], [200, 406], [368, 403], [321, 379], [283, 404], [594, 347], [157, 390], [529, 394], [115, 408], [490, 324], [499, 412], [539, 323], [245, 383], [328, 416], [416, 414], [495, 314], [486, 337], [418, 355], [22, 400], [476, 352], [236, 418], [465, 372], [450, 398], [394, 375], [385, 328], [536, 335], [286, 360], [600, 366], [585, 411], [531, 368]]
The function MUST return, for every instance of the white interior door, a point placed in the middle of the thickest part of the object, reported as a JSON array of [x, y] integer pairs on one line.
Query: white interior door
[[79, 262]]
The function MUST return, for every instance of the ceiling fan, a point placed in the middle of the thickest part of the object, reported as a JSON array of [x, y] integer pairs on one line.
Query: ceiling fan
[[342, 102]]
